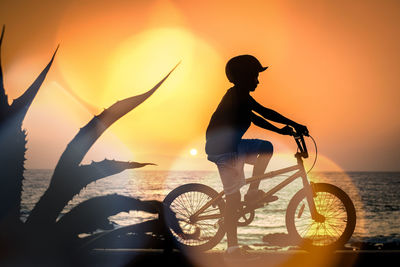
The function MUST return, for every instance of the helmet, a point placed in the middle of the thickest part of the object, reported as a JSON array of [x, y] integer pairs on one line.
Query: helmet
[[241, 66]]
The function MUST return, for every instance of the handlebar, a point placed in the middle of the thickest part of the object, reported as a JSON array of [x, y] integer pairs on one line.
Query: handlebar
[[299, 138], [301, 145]]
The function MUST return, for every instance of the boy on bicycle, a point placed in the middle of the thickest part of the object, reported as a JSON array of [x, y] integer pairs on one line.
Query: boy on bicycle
[[226, 148]]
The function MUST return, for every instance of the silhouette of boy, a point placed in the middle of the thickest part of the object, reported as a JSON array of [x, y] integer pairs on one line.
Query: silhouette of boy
[[226, 148]]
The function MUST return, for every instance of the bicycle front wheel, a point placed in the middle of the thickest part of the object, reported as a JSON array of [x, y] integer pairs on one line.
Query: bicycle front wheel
[[337, 223], [202, 234]]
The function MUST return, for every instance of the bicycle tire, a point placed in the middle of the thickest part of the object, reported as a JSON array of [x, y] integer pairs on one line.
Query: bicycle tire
[[184, 201], [336, 207]]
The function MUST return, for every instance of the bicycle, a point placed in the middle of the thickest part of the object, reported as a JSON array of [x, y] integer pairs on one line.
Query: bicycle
[[319, 216]]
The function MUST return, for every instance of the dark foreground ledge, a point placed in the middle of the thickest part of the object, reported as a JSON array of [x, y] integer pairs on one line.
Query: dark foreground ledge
[[156, 257]]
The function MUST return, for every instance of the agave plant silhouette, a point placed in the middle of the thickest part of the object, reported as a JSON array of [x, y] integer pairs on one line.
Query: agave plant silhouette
[[69, 177]]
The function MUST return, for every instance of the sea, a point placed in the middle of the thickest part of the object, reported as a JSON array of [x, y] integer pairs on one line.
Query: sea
[[376, 196]]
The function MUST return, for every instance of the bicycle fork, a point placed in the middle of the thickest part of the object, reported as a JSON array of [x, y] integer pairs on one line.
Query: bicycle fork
[[309, 192]]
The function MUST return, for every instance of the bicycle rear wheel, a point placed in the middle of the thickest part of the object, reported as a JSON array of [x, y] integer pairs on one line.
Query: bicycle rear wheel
[[185, 201], [337, 225]]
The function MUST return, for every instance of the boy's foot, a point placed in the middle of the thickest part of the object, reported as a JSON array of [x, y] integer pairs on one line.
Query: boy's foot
[[255, 196], [239, 253]]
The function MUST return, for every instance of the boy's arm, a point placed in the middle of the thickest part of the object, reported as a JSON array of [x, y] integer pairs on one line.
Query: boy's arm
[[272, 115], [260, 122]]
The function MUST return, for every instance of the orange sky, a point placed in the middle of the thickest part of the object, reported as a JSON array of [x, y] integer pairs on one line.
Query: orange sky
[[333, 66]]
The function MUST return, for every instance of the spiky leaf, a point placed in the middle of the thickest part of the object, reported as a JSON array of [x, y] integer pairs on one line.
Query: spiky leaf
[[93, 214], [67, 171]]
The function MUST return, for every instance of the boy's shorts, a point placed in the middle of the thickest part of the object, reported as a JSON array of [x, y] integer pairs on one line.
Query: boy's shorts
[[230, 165]]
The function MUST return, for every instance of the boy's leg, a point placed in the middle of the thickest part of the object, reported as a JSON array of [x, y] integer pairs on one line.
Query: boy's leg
[[258, 169], [231, 173], [257, 153], [230, 218]]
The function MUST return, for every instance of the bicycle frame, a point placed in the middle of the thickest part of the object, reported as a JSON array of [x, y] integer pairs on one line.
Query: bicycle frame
[[307, 186]]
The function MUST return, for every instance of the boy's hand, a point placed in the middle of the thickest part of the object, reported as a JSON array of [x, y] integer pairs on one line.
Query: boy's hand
[[301, 129], [287, 130]]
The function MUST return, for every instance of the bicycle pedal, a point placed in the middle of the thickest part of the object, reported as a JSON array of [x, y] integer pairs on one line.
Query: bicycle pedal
[[271, 199], [260, 203]]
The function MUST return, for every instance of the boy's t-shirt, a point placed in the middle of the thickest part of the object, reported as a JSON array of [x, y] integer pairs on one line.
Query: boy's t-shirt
[[229, 122]]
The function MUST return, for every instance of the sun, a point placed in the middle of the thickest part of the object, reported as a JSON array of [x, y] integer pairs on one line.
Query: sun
[[193, 152], [175, 113]]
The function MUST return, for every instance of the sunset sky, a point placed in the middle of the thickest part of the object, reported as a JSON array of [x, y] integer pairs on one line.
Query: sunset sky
[[334, 66]]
